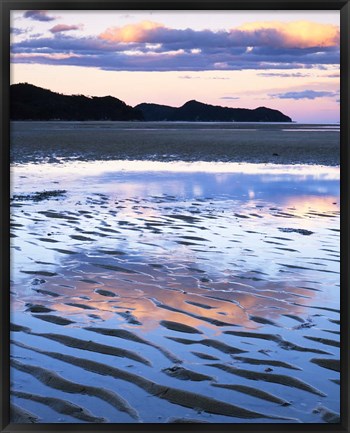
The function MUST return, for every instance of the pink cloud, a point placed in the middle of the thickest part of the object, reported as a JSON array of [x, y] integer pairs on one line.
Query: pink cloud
[[64, 28]]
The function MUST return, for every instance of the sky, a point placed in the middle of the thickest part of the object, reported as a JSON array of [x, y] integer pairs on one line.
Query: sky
[[285, 60]]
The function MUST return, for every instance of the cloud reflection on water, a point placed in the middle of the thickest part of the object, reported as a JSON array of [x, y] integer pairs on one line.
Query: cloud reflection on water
[[153, 216]]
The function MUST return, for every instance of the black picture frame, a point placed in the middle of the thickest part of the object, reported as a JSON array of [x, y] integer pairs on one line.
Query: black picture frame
[[5, 7]]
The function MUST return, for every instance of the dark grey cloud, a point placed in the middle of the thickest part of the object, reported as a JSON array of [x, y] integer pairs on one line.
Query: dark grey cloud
[[111, 59], [61, 43], [304, 94], [38, 15], [189, 38]]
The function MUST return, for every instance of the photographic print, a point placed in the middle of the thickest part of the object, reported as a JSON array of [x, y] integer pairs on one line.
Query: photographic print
[[175, 216]]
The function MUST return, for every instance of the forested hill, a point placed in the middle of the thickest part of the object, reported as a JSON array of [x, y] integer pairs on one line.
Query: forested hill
[[194, 111], [28, 102]]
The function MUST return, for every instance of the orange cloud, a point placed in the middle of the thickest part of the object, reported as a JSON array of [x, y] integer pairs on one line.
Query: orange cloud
[[130, 32], [299, 34]]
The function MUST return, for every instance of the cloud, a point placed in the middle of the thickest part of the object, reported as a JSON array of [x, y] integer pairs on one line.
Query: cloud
[[283, 74], [50, 56], [64, 28], [218, 78], [35, 35], [188, 77], [300, 34], [149, 46], [130, 32], [38, 15], [230, 97], [17, 31], [333, 75], [62, 43], [304, 94]]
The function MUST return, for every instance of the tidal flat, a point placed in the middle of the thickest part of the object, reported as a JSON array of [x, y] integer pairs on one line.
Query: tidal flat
[[276, 143], [160, 291]]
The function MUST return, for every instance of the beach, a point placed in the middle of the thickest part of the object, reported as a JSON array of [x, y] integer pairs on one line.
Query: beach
[[276, 143], [175, 272]]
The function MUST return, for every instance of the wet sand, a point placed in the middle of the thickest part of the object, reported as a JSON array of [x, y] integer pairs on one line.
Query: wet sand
[[151, 298], [169, 141]]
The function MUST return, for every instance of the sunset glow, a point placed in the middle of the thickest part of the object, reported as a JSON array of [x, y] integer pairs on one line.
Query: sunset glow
[[287, 61], [131, 32], [299, 34]]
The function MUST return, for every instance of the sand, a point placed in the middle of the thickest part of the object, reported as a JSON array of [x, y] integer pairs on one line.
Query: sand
[[173, 297], [167, 141]]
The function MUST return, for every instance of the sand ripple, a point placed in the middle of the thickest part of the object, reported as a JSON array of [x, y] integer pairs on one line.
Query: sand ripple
[[151, 300]]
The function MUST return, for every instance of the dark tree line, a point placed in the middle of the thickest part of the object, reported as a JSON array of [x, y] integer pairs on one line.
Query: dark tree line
[[194, 111], [28, 102]]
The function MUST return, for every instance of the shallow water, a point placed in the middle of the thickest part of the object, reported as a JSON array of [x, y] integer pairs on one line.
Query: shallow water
[[216, 269]]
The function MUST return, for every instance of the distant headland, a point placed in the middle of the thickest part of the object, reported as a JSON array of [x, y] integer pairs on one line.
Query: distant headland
[[29, 102]]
